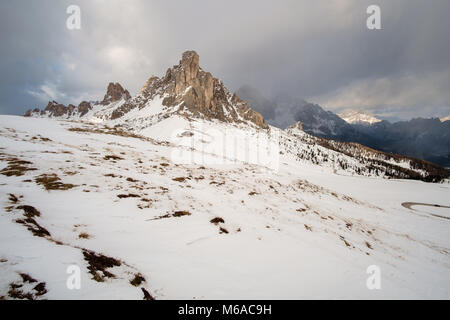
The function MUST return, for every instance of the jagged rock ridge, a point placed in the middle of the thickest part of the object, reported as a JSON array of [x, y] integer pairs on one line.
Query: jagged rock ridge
[[55, 109], [186, 89], [115, 92]]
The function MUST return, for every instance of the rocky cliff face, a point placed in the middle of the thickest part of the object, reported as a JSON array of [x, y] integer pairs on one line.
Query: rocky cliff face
[[58, 110], [197, 93], [186, 90], [115, 93]]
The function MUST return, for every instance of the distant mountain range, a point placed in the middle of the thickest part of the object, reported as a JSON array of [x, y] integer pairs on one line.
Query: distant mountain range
[[427, 139]]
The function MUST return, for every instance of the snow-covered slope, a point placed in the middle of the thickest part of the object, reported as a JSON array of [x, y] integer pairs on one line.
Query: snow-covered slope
[[170, 204], [358, 117]]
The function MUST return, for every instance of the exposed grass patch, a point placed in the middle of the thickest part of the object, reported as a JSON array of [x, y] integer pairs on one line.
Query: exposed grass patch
[[30, 211], [15, 167], [71, 173], [12, 198], [130, 195], [31, 224], [176, 214], [217, 220], [345, 241], [17, 292], [84, 235], [137, 280], [98, 265], [34, 227], [111, 175], [40, 289], [117, 132], [217, 183], [181, 213], [147, 295], [112, 157], [52, 182], [27, 278], [223, 230], [39, 137]]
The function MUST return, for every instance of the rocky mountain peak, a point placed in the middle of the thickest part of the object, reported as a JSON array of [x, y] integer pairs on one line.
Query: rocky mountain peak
[[115, 92], [197, 93], [185, 89], [190, 65], [56, 109]]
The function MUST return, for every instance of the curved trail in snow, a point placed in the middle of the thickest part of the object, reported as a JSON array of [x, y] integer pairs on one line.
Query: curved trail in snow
[[410, 205]]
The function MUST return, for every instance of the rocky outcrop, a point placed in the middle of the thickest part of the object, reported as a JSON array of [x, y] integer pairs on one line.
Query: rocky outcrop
[[58, 110], [115, 93], [84, 108], [55, 109], [186, 90], [30, 112], [197, 93], [299, 126]]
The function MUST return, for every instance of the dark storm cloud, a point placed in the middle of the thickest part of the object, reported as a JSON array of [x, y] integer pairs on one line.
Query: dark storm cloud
[[317, 50]]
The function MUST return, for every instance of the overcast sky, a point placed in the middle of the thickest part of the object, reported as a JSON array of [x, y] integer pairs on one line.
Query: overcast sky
[[320, 51]]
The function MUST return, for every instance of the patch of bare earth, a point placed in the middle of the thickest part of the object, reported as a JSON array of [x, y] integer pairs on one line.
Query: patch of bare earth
[[19, 290], [130, 195], [52, 182], [176, 214], [98, 265], [137, 280], [16, 167], [29, 221], [217, 220]]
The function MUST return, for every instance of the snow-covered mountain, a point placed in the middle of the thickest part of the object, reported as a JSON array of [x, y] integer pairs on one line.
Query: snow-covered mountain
[[358, 117], [427, 139], [185, 90], [184, 191]]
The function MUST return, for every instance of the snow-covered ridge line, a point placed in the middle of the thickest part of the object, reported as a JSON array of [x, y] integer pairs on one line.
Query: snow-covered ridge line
[[357, 159], [358, 117]]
